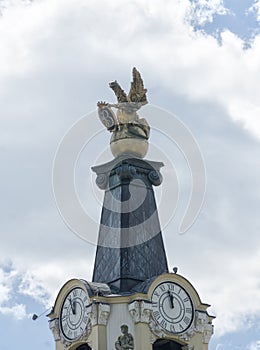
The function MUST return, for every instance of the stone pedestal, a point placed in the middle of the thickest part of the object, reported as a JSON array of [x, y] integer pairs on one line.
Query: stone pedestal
[[130, 246]]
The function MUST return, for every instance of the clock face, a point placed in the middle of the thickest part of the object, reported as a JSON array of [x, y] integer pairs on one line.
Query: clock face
[[74, 315], [172, 307]]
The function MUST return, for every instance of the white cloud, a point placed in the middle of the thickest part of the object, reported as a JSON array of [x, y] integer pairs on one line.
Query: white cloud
[[6, 4], [16, 284], [193, 63], [7, 306], [51, 281], [56, 60], [33, 288], [255, 8], [4, 290], [13, 285], [233, 300], [254, 346], [6, 281], [17, 311], [203, 11]]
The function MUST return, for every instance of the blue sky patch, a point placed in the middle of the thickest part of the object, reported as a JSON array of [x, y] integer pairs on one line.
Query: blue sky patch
[[240, 18]]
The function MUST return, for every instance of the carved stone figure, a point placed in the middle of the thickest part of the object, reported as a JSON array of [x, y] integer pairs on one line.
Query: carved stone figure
[[125, 341]]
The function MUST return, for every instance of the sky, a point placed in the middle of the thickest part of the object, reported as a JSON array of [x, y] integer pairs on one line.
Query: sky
[[200, 63]]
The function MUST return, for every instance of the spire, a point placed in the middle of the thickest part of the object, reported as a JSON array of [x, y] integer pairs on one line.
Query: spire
[[130, 247]]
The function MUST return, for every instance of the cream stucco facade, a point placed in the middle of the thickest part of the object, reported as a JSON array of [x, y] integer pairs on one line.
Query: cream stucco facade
[[107, 312]]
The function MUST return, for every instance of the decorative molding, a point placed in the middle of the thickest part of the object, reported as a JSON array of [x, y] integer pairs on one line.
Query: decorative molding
[[86, 332], [156, 329], [204, 326], [99, 288], [54, 327], [126, 171], [155, 177], [58, 336], [94, 314], [102, 181], [153, 338], [82, 338], [64, 341], [187, 347], [186, 336], [99, 313], [104, 311], [140, 311], [159, 332]]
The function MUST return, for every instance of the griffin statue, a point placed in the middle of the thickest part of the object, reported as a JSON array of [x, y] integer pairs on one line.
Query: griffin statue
[[126, 124]]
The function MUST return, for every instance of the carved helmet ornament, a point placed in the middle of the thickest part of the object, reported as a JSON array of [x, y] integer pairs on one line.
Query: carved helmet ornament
[[129, 132]]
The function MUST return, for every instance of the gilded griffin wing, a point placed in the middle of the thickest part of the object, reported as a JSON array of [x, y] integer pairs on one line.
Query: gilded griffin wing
[[137, 92], [119, 92]]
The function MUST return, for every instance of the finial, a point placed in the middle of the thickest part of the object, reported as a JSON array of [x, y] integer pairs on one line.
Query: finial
[[175, 269]]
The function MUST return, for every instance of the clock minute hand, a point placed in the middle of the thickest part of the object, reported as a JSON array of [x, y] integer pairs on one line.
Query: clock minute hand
[[171, 299], [72, 304]]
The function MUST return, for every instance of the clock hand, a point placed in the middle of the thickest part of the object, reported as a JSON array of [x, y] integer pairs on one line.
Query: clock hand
[[72, 304], [171, 299]]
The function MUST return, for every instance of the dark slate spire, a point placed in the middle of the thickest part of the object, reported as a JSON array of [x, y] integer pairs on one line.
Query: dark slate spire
[[130, 247]]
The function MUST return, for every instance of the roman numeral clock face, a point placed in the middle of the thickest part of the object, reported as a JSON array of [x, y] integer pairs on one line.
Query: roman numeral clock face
[[172, 307], [74, 314]]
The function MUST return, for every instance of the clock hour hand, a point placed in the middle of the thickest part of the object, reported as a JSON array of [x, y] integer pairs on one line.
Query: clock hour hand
[[171, 299], [74, 306]]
